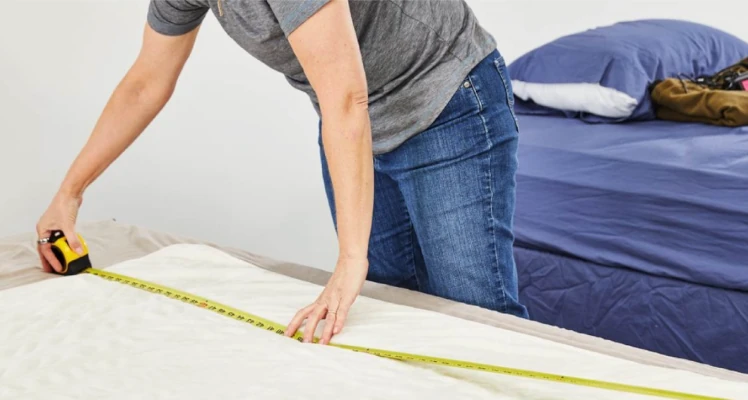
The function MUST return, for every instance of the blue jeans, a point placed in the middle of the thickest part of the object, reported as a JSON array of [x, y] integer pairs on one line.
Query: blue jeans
[[444, 199]]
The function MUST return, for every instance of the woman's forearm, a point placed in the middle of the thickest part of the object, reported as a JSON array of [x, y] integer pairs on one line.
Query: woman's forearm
[[346, 135], [138, 98], [130, 109]]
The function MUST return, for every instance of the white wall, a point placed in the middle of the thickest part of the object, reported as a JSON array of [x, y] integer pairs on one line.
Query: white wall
[[233, 158]]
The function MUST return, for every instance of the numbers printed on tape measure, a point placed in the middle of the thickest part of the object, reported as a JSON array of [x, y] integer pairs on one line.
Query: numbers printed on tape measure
[[279, 329]]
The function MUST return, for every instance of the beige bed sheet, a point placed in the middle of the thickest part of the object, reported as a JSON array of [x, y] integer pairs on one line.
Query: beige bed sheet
[[111, 242]]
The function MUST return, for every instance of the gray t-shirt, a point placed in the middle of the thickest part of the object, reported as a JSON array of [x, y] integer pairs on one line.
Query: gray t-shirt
[[416, 53]]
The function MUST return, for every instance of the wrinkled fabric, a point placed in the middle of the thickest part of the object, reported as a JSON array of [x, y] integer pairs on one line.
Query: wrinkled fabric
[[113, 341], [627, 56], [664, 198], [666, 202], [690, 321], [114, 242], [707, 101], [686, 101]]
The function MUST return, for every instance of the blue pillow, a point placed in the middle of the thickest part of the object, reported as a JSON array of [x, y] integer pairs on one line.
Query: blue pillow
[[625, 57]]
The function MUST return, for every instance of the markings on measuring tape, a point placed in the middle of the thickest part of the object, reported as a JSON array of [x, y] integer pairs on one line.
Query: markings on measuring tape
[[259, 322]]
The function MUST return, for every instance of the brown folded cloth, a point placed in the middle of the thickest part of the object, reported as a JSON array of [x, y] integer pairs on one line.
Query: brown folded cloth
[[709, 99], [687, 101]]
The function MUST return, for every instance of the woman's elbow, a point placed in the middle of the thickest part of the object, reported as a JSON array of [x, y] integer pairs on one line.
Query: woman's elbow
[[346, 117], [358, 99], [344, 103], [152, 92]]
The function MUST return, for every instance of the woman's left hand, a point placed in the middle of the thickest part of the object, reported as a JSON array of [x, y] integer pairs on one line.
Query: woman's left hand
[[334, 303]]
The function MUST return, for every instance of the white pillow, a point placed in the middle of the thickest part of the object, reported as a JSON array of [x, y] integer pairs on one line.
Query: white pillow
[[579, 97]]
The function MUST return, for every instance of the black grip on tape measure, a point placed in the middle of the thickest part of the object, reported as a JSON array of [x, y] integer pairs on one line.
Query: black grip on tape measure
[[72, 264], [77, 266]]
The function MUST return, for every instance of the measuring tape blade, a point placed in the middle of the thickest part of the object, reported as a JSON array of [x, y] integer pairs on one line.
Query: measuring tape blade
[[280, 329]]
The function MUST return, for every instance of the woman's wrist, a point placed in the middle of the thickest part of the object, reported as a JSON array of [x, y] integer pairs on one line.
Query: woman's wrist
[[71, 191], [353, 259], [71, 188], [349, 249]]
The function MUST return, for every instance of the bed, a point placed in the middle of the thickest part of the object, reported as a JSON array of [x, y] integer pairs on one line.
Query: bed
[[637, 233], [83, 337], [630, 226]]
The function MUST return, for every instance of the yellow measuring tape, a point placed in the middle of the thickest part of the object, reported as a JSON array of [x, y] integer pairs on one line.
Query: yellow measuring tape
[[271, 326]]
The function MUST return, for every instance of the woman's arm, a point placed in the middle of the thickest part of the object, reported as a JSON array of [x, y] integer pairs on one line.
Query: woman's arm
[[138, 98], [327, 48]]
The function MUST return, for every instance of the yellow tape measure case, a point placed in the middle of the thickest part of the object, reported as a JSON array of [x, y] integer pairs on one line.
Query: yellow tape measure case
[[72, 262]]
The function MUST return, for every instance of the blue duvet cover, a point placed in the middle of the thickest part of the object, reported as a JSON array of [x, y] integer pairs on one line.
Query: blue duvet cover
[[664, 201]]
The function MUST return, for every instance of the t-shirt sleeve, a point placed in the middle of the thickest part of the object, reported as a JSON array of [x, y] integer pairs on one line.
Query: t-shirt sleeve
[[292, 13], [175, 17]]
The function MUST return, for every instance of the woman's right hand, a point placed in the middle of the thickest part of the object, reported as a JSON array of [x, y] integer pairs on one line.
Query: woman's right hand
[[60, 216]]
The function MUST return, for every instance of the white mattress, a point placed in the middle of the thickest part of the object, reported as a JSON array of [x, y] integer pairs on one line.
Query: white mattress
[[85, 338]]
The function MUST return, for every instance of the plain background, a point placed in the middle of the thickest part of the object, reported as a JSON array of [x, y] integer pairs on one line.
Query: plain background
[[233, 157]]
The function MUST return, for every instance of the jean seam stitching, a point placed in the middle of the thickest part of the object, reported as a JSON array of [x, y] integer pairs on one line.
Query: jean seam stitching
[[413, 251], [509, 100], [477, 97], [492, 218]]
